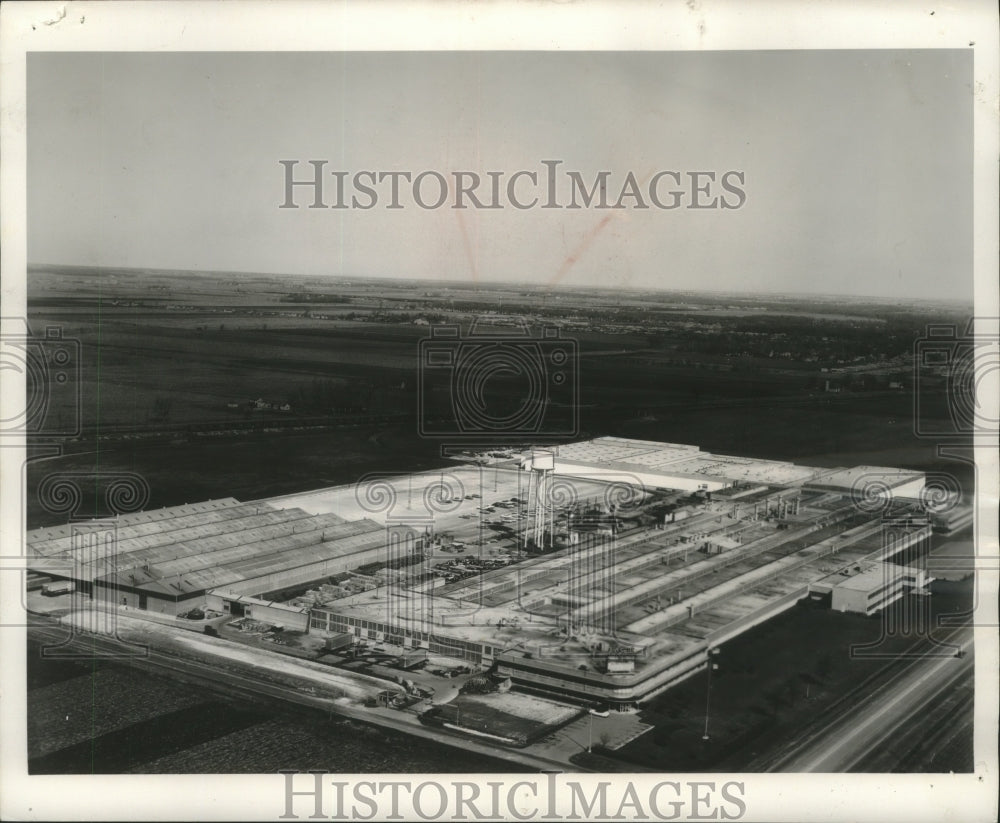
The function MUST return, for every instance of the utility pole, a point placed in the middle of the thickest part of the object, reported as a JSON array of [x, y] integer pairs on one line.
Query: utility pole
[[708, 688]]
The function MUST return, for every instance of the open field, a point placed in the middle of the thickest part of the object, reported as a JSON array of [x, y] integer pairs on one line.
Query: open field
[[172, 364], [184, 466], [92, 716]]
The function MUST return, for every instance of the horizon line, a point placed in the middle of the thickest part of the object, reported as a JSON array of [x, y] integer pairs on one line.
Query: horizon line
[[542, 287]]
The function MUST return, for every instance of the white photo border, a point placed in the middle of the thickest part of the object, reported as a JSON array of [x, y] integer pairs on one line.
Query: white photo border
[[207, 25]]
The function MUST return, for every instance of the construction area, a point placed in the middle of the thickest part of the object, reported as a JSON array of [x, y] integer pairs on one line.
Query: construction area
[[601, 571]]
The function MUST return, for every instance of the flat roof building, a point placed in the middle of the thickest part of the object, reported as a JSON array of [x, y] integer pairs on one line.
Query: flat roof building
[[659, 552], [877, 586], [166, 561]]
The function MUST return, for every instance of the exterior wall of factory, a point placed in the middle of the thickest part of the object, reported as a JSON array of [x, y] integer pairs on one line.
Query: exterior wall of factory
[[870, 593], [149, 599], [327, 620], [140, 600], [278, 614], [620, 691]]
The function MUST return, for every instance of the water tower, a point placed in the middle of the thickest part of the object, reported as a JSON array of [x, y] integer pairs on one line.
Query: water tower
[[541, 463]]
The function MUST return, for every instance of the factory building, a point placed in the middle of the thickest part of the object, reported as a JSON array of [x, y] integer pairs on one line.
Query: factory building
[[876, 586], [873, 486], [590, 593], [681, 481], [655, 553], [167, 561], [674, 466], [293, 618]]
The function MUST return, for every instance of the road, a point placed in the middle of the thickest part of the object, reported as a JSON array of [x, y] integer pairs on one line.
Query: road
[[863, 726]]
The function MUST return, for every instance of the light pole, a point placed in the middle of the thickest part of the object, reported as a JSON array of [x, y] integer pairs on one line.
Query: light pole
[[590, 736], [708, 687]]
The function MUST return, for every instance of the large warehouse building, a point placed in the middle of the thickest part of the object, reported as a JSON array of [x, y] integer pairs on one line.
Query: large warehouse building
[[166, 561], [537, 566]]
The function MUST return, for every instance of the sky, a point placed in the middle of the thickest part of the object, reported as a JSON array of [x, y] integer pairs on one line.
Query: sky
[[857, 165]]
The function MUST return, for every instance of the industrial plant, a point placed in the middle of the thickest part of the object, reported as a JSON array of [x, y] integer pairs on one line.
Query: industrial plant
[[599, 571]]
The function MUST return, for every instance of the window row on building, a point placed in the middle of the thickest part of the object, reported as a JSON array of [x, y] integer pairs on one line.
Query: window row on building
[[383, 632]]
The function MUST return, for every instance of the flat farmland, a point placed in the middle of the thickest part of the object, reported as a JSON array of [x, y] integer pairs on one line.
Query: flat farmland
[[248, 466], [137, 374], [164, 355]]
